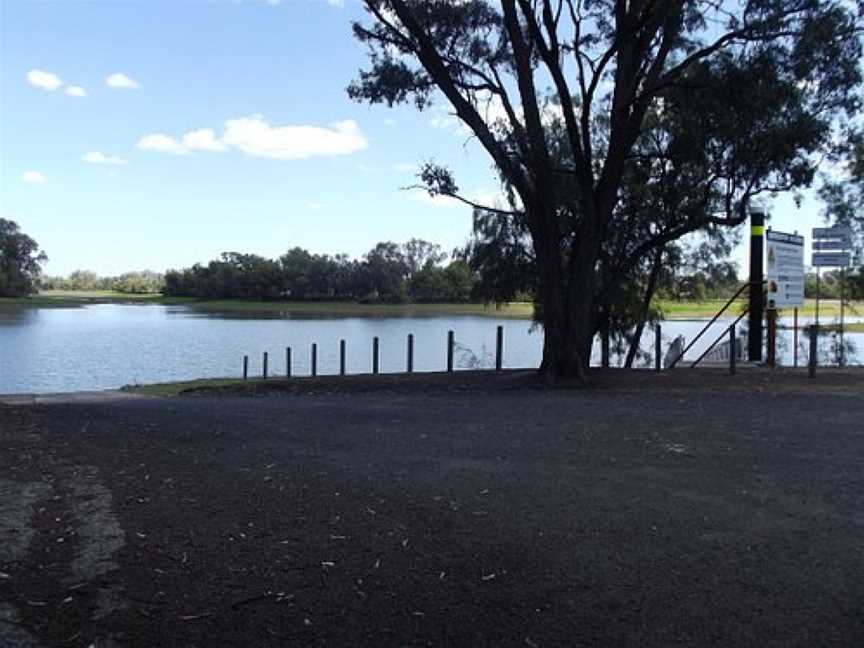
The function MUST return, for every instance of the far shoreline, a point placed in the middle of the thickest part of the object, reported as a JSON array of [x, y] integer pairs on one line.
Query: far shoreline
[[671, 310]]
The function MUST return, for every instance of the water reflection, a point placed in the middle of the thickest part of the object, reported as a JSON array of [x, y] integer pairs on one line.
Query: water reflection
[[17, 316]]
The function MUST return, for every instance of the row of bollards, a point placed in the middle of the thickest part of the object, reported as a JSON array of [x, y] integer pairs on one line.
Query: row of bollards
[[409, 360], [499, 354]]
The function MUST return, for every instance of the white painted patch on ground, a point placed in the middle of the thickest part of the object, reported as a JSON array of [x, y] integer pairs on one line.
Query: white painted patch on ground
[[16, 532], [99, 537], [677, 448], [12, 634], [16, 513]]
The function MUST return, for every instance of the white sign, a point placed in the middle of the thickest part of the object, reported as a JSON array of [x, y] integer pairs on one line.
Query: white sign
[[785, 269]]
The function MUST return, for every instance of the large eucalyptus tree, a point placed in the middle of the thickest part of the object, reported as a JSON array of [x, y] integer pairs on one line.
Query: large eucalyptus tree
[[758, 86]]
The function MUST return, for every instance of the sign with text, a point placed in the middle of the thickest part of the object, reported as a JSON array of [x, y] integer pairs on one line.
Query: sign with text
[[785, 269], [831, 247], [831, 259], [836, 245], [838, 231]]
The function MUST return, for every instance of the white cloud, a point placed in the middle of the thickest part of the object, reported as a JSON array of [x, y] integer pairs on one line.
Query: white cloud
[[76, 91], [45, 80], [121, 81], [390, 122], [203, 139], [314, 205], [96, 157], [33, 177], [255, 137], [161, 143], [336, 3], [405, 167]]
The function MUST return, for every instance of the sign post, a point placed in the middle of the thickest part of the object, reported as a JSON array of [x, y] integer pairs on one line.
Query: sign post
[[831, 249], [756, 305], [795, 338], [785, 274]]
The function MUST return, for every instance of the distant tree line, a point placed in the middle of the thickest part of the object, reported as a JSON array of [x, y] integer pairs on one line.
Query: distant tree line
[[138, 283], [833, 284], [718, 280], [495, 266], [389, 273]]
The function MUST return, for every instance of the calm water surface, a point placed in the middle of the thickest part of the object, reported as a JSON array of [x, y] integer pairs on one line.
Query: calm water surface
[[109, 345]]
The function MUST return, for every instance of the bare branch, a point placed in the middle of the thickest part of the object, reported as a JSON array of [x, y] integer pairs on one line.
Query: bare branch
[[462, 199]]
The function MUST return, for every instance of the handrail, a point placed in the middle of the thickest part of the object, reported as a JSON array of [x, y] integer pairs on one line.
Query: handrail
[[722, 335], [708, 325]]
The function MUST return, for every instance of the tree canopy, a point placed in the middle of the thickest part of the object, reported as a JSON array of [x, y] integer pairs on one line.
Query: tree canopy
[[20, 261], [844, 194], [618, 127], [139, 283], [389, 273]]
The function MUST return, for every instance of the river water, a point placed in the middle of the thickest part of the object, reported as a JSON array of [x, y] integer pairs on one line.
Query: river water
[[106, 346]]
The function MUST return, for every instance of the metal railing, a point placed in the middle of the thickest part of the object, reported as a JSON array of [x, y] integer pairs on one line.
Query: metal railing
[[724, 334], [708, 326]]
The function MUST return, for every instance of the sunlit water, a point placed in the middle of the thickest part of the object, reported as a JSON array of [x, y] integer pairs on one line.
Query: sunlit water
[[107, 346]]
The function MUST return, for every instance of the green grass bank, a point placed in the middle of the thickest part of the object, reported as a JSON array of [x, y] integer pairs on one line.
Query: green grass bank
[[828, 309]]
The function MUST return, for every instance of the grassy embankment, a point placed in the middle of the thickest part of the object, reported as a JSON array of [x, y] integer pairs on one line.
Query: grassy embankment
[[699, 309], [829, 309], [72, 298], [66, 299], [177, 388]]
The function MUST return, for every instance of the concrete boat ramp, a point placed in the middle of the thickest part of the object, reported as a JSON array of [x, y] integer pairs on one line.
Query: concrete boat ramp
[[69, 397]]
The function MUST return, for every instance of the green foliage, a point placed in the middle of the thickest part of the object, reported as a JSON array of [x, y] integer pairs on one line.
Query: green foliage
[[138, 283], [389, 273], [843, 196], [428, 285], [459, 280], [145, 282], [20, 261], [432, 284], [501, 254], [85, 280], [832, 285]]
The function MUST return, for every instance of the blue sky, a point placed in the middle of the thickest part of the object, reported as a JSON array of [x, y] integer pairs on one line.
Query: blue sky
[[214, 126]]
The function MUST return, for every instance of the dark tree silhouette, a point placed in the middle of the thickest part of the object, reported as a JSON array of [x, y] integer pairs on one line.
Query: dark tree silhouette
[[20, 261], [612, 66]]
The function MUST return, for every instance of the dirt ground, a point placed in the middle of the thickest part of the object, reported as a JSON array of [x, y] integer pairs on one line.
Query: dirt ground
[[690, 508]]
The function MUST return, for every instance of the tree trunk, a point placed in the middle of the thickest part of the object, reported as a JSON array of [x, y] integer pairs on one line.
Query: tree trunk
[[567, 297], [555, 364], [646, 304]]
